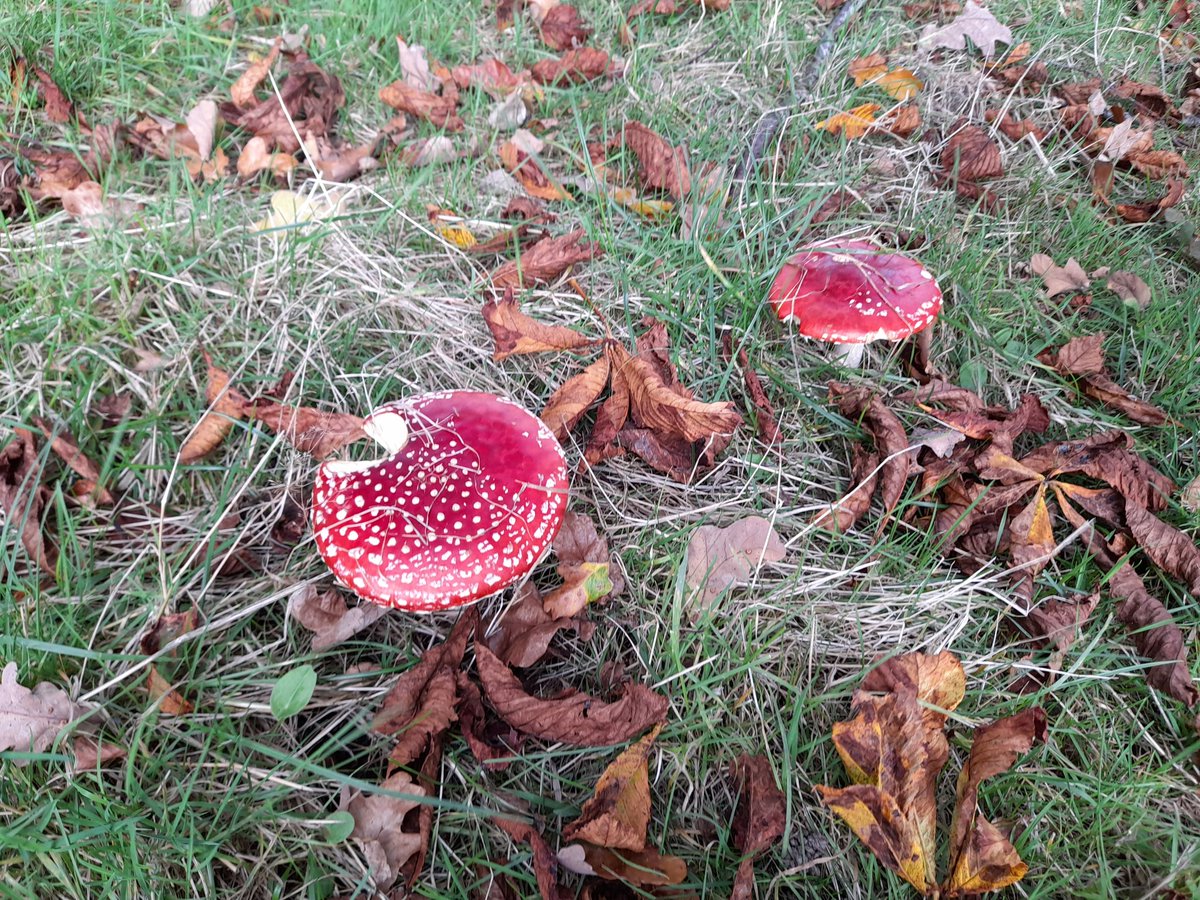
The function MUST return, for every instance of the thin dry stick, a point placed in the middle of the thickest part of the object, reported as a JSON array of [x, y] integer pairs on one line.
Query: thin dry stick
[[769, 125]]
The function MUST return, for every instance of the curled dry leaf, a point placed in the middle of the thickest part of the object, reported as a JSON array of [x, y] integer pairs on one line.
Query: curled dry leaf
[[851, 124], [982, 859], [420, 706], [567, 405], [225, 406], [439, 110], [515, 333], [563, 28], [643, 868], [760, 819], [546, 260], [661, 166], [379, 827], [307, 103], [31, 719], [309, 430], [970, 155], [257, 157], [573, 718], [578, 542], [522, 634], [326, 615], [573, 67], [583, 584], [247, 83], [1060, 279], [491, 75], [618, 812], [864, 476], [1129, 287], [719, 558], [162, 632]]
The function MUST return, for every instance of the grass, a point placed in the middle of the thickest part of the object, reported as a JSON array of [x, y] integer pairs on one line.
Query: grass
[[228, 802]]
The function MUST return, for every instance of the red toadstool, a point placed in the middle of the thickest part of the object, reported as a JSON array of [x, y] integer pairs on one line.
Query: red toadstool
[[470, 496], [851, 293]]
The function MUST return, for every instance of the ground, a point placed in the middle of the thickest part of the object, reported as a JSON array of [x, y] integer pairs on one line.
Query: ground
[[226, 801]]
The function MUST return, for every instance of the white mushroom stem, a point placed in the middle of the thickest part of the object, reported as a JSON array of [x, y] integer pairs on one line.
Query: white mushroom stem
[[850, 355], [386, 428]]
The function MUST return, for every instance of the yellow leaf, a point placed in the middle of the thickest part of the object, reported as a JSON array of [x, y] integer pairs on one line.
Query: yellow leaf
[[648, 209], [900, 84], [868, 68], [289, 209], [852, 124], [877, 819]]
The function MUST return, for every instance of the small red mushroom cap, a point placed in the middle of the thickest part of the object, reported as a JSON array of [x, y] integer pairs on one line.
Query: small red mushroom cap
[[469, 499], [850, 293]]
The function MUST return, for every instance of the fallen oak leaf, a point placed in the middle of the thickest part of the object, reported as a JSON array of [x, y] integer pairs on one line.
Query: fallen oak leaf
[[326, 615], [618, 812], [719, 558], [515, 333], [760, 818], [573, 718], [31, 719], [975, 23], [379, 826]]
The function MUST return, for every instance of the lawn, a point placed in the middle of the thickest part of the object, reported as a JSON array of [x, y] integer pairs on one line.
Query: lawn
[[226, 800]]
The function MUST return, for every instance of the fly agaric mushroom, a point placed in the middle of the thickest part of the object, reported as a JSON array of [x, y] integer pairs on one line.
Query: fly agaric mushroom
[[469, 497], [852, 294]]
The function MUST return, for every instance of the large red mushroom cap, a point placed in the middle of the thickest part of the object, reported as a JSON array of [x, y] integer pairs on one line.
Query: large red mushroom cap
[[470, 497], [850, 293]]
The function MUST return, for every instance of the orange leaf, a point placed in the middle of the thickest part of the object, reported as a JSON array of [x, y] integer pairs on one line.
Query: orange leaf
[[516, 333], [852, 124], [226, 405]]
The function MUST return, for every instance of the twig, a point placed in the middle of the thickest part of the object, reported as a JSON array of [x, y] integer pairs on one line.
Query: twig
[[769, 125]]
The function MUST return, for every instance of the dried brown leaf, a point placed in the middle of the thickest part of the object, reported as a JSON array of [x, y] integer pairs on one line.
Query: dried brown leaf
[[379, 827], [719, 558], [1129, 287], [863, 407], [545, 865], [579, 542], [563, 28], [531, 175], [760, 819], [975, 23], [567, 405], [439, 110], [661, 166], [618, 812], [1166, 546], [573, 718], [657, 406], [309, 430], [31, 719], [326, 615], [522, 635], [970, 154], [864, 475], [491, 75], [546, 260], [573, 67], [225, 406], [516, 334], [58, 108], [981, 858], [243, 89], [64, 445], [643, 868], [307, 103], [420, 706]]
